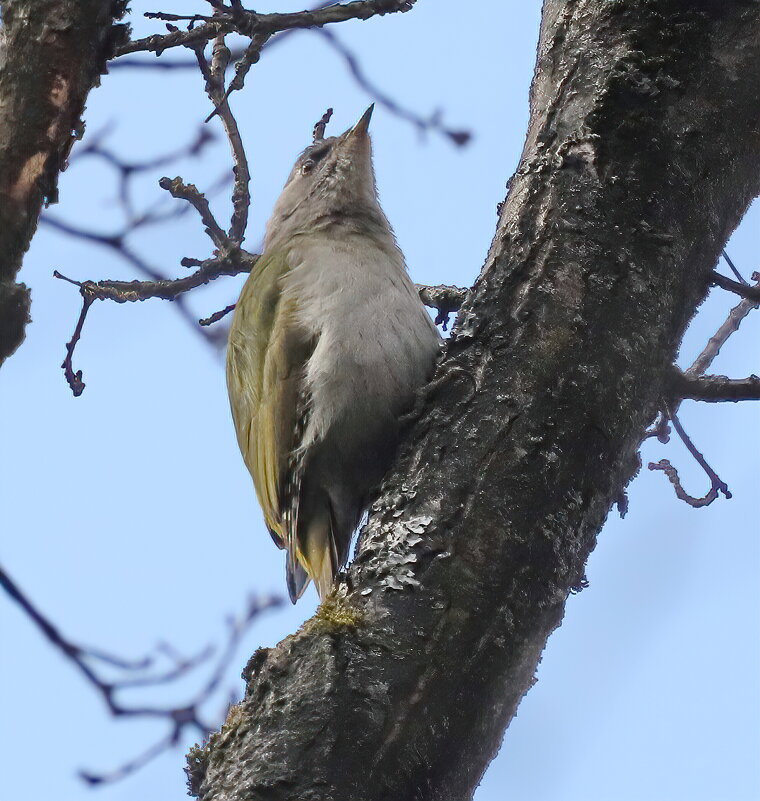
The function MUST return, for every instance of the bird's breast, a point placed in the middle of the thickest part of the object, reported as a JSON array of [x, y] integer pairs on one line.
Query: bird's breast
[[375, 343]]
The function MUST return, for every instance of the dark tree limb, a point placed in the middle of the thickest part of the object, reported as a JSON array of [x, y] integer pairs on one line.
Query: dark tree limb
[[640, 160], [683, 384], [745, 290], [235, 18], [714, 388], [52, 53]]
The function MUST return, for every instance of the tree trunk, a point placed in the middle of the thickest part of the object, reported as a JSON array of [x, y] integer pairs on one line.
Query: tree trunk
[[641, 157], [52, 53]]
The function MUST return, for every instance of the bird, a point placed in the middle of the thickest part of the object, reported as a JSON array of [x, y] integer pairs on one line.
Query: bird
[[328, 346]]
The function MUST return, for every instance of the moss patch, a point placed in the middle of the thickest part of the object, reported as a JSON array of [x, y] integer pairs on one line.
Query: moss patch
[[334, 615]]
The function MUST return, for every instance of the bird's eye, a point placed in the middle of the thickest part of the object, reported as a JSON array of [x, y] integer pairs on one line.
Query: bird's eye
[[307, 166]]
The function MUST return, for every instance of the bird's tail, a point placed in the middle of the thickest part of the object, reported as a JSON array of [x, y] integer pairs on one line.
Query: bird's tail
[[318, 550], [296, 577]]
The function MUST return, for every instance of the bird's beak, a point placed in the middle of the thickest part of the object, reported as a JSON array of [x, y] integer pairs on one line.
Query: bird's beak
[[362, 127]]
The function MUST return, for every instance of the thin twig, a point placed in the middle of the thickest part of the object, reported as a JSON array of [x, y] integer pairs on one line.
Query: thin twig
[[74, 379], [249, 23], [131, 291], [184, 64], [250, 56], [732, 266], [69, 649], [729, 327], [128, 170], [241, 198], [691, 384], [423, 124], [177, 188], [216, 316], [716, 483], [446, 299], [166, 289], [188, 716], [320, 126], [179, 717]]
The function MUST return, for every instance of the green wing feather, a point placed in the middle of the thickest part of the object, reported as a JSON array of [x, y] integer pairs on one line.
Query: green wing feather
[[266, 357]]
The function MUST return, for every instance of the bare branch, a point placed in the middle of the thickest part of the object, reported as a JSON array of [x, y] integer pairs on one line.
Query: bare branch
[[249, 23], [660, 430], [321, 125], [689, 384], [166, 289], [681, 494], [715, 388], [243, 64], [74, 379], [446, 299], [216, 316], [179, 718], [716, 483], [729, 327], [745, 290], [423, 124], [732, 267], [127, 170], [214, 79], [189, 192], [130, 291], [184, 64]]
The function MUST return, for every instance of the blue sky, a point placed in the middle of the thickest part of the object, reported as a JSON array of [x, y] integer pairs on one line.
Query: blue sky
[[130, 519]]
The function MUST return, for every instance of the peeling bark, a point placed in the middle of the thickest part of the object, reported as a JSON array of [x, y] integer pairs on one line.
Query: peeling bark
[[52, 53], [641, 157]]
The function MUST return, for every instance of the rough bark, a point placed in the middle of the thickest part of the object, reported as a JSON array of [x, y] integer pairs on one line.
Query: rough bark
[[52, 53], [641, 158]]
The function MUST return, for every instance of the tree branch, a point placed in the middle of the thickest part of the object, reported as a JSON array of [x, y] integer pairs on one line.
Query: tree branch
[[745, 290], [131, 291], [249, 23], [423, 124], [682, 384], [715, 388], [180, 718], [719, 338], [40, 110]]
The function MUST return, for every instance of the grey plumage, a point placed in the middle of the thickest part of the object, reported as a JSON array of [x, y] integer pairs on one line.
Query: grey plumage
[[328, 345]]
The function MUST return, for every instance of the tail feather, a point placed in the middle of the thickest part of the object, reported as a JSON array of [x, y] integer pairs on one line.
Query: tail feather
[[319, 549], [297, 579]]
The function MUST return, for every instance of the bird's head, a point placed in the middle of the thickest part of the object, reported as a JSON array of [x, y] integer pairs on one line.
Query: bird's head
[[332, 181]]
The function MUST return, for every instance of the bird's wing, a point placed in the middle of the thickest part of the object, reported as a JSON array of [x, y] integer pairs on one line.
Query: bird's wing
[[266, 357]]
